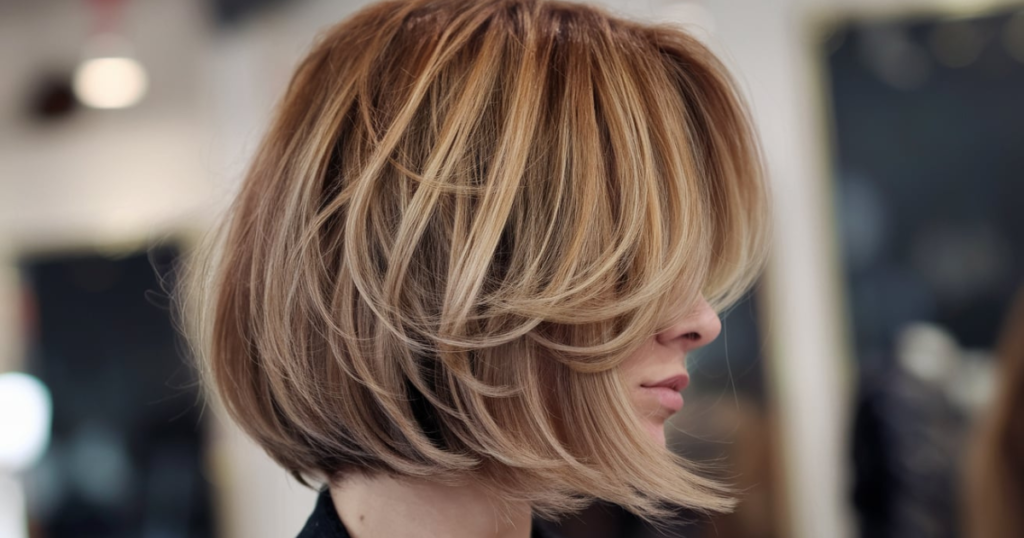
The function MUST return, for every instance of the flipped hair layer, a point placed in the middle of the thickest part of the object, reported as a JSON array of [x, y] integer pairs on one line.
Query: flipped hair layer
[[464, 215]]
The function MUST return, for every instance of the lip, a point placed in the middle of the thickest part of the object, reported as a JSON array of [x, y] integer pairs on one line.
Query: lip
[[667, 391], [666, 397], [676, 383]]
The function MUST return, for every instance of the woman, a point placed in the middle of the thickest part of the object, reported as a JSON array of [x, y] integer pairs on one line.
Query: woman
[[465, 268]]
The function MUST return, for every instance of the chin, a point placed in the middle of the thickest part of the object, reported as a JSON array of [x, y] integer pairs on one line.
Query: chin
[[656, 432]]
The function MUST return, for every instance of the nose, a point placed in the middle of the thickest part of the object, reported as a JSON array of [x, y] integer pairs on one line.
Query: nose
[[699, 328]]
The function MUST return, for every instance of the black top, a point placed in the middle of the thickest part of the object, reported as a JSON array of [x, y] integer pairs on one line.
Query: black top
[[325, 523]]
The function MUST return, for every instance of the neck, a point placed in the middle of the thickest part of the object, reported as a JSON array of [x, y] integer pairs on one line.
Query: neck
[[379, 506]]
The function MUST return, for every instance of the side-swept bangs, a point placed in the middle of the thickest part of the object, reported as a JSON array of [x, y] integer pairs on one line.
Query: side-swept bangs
[[463, 217]]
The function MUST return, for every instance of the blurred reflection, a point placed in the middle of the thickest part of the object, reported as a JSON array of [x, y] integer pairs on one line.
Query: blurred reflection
[[911, 425], [927, 120], [127, 443]]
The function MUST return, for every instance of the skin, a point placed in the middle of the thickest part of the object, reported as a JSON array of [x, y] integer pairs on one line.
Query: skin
[[378, 507], [664, 356]]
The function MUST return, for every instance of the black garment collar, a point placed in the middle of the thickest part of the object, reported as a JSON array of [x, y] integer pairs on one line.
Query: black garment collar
[[325, 523]]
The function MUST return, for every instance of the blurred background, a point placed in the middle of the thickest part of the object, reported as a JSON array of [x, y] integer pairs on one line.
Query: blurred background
[[868, 387]]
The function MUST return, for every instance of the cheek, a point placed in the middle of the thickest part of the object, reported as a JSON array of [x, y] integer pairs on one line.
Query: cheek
[[649, 415], [650, 418], [632, 368]]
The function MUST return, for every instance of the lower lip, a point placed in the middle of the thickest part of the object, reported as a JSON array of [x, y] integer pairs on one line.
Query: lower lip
[[667, 397]]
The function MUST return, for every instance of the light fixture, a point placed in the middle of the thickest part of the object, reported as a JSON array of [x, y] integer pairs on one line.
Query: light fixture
[[109, 76]]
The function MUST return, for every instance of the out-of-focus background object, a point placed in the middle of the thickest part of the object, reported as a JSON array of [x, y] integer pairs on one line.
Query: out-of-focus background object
[[926, 116], [844, 396], [125, 458], [25, 412], [994, 473]]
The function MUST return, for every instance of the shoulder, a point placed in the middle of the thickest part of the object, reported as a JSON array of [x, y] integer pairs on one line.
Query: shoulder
[[325, 523], [540, 529]]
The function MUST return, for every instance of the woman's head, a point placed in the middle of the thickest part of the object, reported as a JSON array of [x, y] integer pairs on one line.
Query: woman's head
[[471, 230]]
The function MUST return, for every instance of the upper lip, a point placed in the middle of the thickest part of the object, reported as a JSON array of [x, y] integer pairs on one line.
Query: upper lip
[[676, 382]]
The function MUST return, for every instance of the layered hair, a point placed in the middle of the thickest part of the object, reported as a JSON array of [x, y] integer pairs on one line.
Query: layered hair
[[464, 215]]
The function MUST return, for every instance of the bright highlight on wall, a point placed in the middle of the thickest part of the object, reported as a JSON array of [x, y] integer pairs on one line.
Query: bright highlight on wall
[[110, 82], [26, 410]]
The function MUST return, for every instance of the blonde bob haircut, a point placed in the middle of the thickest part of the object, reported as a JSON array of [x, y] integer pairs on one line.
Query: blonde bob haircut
[[464, 215]]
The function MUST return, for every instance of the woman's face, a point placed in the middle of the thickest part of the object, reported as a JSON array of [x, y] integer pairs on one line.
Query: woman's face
[[656, 372]]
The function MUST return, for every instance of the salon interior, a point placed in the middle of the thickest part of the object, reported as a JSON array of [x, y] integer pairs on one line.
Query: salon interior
[[854, 393]]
